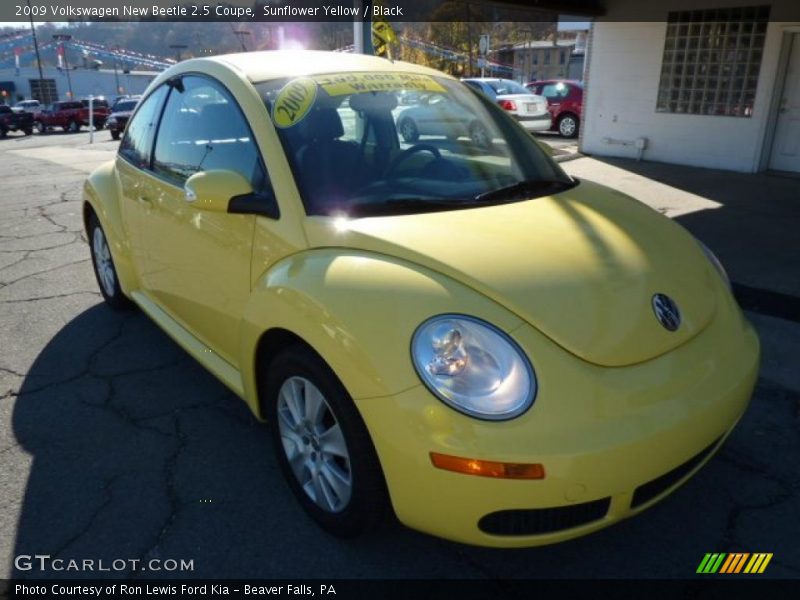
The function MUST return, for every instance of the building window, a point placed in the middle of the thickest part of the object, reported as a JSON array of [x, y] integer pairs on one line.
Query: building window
[[535, 58], [711, 61], [562, 57], [547, 57]]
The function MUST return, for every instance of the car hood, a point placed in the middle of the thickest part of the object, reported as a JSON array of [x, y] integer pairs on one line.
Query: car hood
[[581, 266], [126, 114]]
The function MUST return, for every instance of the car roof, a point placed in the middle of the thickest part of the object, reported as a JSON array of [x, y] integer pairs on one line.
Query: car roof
[[275, 64]]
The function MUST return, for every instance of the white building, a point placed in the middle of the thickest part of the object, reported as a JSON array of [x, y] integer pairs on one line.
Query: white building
[[84, 82], [712, 83]]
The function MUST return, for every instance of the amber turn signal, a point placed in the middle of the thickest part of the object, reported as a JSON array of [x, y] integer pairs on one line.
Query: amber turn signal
[[487, 468]]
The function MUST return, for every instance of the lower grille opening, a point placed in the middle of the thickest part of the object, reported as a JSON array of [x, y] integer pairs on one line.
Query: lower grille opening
[[543, 520], [647, 491]]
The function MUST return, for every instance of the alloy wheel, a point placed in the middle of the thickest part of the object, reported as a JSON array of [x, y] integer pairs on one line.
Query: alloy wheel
[[314, 444], [103, 263]]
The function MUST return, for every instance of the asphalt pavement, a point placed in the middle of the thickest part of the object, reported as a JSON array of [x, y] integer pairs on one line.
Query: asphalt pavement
[[115, 444]]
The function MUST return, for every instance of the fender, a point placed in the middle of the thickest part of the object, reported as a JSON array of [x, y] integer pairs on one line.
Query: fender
[[358, 310], [101, 191]]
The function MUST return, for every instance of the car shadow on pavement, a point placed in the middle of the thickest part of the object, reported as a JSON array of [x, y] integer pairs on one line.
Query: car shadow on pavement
[[129, 436]]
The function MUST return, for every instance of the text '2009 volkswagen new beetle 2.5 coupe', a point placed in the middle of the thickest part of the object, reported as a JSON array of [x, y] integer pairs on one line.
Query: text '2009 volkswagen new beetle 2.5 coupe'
[[454, 331]]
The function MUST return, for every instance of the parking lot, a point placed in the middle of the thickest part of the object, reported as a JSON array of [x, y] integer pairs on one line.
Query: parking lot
[[115, 444]]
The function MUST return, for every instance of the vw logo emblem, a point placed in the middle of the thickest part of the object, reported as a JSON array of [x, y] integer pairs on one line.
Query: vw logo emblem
[[667, 312]]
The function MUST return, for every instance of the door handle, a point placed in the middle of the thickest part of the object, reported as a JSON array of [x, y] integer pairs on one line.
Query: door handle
[[144, 199]]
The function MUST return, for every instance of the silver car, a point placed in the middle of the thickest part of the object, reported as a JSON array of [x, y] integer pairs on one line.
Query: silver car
[[527, 108], [438, 114]]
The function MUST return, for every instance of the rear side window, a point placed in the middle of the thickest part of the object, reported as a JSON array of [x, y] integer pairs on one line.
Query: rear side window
[[204, 129], [555, 91], [138, 140]]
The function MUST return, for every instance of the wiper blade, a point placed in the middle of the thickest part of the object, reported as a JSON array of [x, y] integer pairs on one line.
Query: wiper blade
[[523, 189]]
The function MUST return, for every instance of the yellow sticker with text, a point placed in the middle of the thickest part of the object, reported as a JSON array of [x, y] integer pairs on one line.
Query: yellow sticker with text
[[293, 102], [353, 83]]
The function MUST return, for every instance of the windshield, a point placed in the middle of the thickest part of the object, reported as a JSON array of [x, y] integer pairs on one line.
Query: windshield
[[376, 143]]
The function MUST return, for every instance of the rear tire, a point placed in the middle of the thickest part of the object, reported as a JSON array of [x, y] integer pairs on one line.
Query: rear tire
[[73, 127], [480, 135], [40, 127], [568, 126], [409, 131], [322, 444], [28, 131], [104, 269]]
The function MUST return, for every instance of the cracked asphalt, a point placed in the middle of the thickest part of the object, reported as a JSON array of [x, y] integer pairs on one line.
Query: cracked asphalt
[[114, 444]]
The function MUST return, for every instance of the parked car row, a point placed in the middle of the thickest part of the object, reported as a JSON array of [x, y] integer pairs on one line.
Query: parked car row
[[68, 115]]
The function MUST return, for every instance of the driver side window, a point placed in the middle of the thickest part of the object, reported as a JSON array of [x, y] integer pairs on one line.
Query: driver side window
[[136, 144], [203, 129]]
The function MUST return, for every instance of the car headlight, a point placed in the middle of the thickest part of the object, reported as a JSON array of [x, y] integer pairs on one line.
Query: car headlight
[[112, 121], [473, 367], [712, 258]]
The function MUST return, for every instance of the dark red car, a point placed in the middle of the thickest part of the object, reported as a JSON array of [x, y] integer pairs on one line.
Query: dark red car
[[565, 101]]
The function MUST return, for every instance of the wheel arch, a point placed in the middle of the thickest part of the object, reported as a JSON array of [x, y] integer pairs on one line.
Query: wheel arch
[[328, 300], [271, 343], [101, 198]]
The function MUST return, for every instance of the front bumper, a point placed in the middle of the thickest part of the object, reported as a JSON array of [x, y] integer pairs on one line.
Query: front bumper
[[613, 441]]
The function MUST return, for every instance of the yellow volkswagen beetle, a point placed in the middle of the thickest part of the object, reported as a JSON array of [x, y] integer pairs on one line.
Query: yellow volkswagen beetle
[[452, 329]]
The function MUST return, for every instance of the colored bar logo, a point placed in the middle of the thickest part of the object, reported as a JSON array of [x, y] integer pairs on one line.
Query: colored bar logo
[[735, 562]]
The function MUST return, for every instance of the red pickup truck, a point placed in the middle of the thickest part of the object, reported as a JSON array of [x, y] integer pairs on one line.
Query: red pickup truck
[[70, 115]]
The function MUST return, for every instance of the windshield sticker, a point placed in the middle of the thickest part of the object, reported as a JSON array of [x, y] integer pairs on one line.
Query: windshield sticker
[[354, 83], [293, 102]]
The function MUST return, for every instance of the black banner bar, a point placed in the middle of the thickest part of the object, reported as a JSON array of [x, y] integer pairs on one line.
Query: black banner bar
[[703, 587]]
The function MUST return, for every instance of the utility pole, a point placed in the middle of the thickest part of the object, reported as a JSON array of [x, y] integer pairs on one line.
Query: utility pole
[[469, 40], [241, 33], [178, 48], [115, 50], [63, 38], [43, 99]]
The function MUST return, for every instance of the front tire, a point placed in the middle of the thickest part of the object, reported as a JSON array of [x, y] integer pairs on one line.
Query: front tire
[[104, 269], [40, 127], [73, 127], [114, 134], [322, 444]]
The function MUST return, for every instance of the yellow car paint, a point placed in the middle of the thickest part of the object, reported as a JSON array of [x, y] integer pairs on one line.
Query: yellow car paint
[[620, 401]]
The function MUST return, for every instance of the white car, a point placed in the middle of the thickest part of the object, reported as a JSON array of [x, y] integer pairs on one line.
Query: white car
[[31, 106], [527, 108]]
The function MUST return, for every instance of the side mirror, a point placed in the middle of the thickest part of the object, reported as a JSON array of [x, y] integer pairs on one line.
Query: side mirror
[[213, 190]]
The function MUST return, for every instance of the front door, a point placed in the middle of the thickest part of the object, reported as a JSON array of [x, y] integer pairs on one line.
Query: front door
[[198, 265], [135, 182], [786, 144]]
